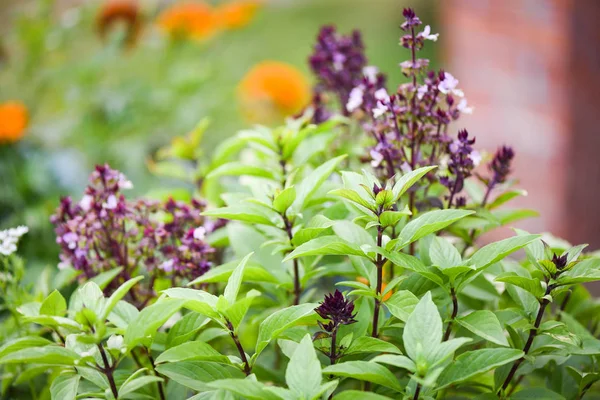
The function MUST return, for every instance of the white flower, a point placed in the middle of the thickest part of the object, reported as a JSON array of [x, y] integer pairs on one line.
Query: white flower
[[9, 239], [382, 95], [449, 84], [421, 91], [86, 202], [370, 72], [124, 183], [70, 239], [405, 167], [167, 266], [200, 233], [379, 110], [426, 34], [111, 202], [463, 107], [355, 99], [377, 158], [475, 156], [115, 342], [63, 265]]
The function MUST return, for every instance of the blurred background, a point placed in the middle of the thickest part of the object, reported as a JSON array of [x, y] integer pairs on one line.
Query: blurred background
[[114, 81]]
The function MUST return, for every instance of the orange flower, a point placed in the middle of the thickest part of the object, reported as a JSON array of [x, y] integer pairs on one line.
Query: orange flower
[[189, 20], [272, 90], [115, 11], [383, 286], [13, 121], [236, 14]]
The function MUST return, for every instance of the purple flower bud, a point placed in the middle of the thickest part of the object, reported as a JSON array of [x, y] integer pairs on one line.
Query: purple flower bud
[[500, 165], [337, 309]]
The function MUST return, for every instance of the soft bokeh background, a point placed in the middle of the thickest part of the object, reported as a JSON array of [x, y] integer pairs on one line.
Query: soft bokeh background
[[521, 63]]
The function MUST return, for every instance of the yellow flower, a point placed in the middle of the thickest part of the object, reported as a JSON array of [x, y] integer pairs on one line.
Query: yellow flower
[[189, 20], [13, 121], [236, 14], [273, 90], [115, 11]]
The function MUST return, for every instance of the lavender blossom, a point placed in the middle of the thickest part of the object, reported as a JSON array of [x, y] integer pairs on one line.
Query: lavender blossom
[[105, 230], [463, 159]]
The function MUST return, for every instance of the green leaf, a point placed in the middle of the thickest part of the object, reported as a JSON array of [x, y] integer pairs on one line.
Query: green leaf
[[367, 344], [303, 373], [402, 304], [584, 271], [397, 361], [50, 355], [23, 343], [284, 199], [197, 374], [485, 324], [64, 387], [505, 197], [151, 318], [132, 385], [245, 213], [54, 304], [118, 295], [407, 180], [423, 330], [317, 225], [495, 252], [185, 329], [536, 394], [103, 279], [359, 395], [239, 169], [192, 351], [391, 218], [443, 254], [196, 300], [235, 281], [253, 272], [325, 245], [533, 286], [476, 362], [428, 223], [245, 388], [353, 233], [354, 197], [278, 322], [309, 185], [365, 371]]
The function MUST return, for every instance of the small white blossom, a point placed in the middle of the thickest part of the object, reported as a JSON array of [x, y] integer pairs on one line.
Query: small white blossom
[[382, 95], [421, 91], [63, 265], [379, 110], [124, 183], [86, 202], [355, 99], [115, 342], [405, 167], [9, 239], [111, 202], [370, 72], [449, 84], [377, 158], [426, 34], [167, 266], [463, 107], [475, 156], [200, 233]]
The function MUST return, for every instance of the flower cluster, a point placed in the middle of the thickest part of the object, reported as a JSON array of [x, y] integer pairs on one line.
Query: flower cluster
[[9, 238], [105, 230], [409, 126], [338, 62], [337, 309]]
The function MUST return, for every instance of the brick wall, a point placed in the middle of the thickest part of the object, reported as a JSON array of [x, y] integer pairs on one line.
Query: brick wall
[[531, 68]]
